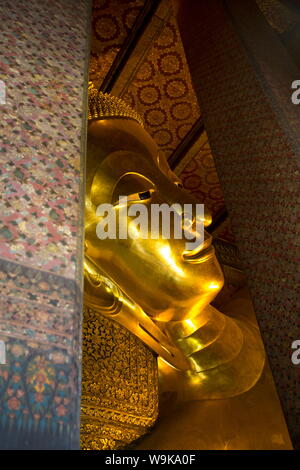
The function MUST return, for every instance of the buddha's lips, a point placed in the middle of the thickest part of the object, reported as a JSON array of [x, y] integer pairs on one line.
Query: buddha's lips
[[201, 254]]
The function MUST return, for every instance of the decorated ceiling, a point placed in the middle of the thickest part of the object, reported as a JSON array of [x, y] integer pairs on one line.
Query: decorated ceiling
[[111, 23], [161, 90], [156, 82]]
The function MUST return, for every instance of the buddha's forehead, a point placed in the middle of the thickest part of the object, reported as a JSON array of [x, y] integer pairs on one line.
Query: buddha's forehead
[[118, 146], [117, 134]]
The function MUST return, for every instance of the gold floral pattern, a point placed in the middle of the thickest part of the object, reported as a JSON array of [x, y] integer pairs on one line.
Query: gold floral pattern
[[119, 385]]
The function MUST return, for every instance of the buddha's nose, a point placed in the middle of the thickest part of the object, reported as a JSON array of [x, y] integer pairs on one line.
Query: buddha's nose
[[193, 226], [188, 221]]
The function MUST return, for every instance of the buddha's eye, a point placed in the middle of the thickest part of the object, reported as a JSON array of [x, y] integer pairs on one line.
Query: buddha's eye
[[145, 195], [134, 197], [178, 184], [134, 187], [140, 196]]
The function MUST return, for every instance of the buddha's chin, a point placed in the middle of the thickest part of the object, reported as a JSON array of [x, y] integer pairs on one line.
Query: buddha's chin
[[186, 300], [181, 313], [187, 310], [180, 310]]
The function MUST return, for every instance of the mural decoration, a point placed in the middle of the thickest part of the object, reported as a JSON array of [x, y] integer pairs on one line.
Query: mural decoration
[[111, 23], [45, 49]]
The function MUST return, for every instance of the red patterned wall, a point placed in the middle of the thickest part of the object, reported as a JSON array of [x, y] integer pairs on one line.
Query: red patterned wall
[[251, 123]]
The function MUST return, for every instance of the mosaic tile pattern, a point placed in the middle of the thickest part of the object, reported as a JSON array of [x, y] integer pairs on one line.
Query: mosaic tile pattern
[[37, 392], [258, 165], [39, 384], [43, 66], [37, 304], [41, 124]]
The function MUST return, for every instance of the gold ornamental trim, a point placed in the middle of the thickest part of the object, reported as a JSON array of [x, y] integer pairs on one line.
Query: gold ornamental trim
[[103, 105]]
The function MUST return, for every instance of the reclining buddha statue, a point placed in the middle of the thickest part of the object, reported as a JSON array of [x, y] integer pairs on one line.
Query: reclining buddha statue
[[148, 325]]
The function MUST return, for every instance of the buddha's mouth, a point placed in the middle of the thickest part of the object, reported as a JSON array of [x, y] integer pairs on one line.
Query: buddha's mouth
[[201, 256]]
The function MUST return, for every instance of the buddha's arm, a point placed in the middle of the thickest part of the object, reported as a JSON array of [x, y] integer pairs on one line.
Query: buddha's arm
[[105, 297]]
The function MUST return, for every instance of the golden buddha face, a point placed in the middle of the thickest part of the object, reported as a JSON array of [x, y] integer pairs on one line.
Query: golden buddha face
[[169, 282]]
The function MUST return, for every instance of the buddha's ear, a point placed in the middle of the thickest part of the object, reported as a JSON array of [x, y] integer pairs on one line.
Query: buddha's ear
[[100, 292]]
